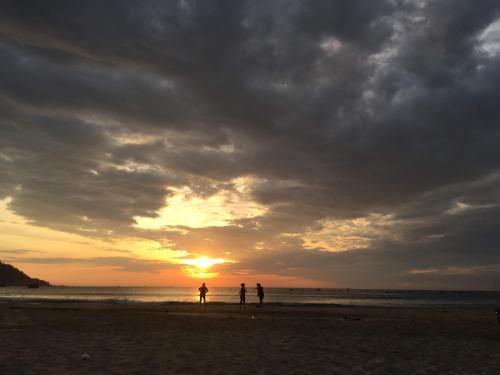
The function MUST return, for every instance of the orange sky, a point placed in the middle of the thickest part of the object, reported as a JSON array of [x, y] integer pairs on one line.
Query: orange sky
[[72, 259]]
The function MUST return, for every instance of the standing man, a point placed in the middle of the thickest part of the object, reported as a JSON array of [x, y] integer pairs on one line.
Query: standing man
[[260, 293], [243, 292], [203, 292]]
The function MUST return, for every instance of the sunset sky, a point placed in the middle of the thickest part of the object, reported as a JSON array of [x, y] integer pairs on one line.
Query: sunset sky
[[295, 143]]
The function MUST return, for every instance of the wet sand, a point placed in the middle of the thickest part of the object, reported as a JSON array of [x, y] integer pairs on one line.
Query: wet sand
[[176, 338]]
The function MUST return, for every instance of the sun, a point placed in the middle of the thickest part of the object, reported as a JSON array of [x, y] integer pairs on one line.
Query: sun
[[198, 267], [203, 262]]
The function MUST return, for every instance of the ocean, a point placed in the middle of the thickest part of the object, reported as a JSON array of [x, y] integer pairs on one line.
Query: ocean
[[347, 297]]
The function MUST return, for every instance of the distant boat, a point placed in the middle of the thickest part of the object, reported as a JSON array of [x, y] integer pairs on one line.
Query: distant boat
[[33, 285]]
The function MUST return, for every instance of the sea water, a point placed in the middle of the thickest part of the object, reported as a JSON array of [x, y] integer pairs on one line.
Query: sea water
[[358, 297]]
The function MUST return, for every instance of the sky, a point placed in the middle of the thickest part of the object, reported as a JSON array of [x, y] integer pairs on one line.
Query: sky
[[346, 143]]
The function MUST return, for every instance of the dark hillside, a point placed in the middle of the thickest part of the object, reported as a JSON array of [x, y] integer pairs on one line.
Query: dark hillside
[[11, 276]]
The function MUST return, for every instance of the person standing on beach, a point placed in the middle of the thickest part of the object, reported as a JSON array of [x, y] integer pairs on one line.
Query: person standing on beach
[[203, 292], [260, 293], [243, 292]]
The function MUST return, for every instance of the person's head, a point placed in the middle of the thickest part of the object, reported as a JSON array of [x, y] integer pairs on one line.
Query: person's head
[[203, 284], [242, 284], [258, 284]]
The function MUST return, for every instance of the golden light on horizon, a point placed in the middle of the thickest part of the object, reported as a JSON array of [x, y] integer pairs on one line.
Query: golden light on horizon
[[194, 273], [198, 267], [204, 262]]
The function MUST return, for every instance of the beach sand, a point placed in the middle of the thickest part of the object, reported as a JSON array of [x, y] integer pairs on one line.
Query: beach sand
[[175, 338]]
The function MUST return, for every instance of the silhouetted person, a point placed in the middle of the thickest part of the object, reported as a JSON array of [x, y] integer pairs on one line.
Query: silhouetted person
[[260, 293], [203, 293], [243, 292]]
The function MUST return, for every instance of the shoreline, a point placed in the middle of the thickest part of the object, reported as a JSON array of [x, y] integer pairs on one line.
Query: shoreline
[[129, 302], [287, 288]]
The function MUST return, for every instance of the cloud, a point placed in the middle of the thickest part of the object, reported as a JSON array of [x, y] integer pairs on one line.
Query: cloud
[[124, 264], [16, 251], [336, 111]]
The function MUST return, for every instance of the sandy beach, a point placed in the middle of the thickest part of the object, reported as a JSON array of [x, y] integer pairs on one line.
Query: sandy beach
[[176, 338]]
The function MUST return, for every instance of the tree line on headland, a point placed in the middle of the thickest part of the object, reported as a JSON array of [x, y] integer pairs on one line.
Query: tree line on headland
[[11, 276]]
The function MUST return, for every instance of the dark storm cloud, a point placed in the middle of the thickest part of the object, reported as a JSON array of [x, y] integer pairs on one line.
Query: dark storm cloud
[[464, 255], [338, 109], [125, 93]]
